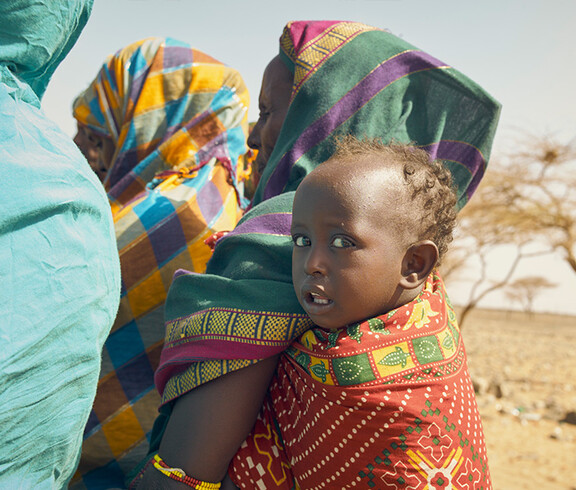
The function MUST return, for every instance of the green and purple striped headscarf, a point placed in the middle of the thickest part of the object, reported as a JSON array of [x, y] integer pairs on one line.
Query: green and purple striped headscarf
[[353, 78], [348, 78]]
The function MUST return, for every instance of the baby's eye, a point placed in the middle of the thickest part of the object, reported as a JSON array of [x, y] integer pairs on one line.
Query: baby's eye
[[341, 242], [301, 240]]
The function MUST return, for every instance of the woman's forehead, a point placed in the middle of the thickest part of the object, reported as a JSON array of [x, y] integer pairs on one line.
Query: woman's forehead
[[277, 78]]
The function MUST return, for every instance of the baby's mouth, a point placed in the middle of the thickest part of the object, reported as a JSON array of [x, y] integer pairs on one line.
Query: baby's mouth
[[318, 299]]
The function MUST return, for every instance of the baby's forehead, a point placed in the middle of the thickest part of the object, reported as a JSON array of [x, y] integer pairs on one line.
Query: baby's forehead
[[365, 174], [377, 195]]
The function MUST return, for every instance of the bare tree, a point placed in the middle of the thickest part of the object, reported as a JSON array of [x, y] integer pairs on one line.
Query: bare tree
[[543, 200], [526, 289], [527, 201]]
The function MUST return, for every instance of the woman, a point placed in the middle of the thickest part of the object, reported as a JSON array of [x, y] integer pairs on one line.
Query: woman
[[330, 79], [58, 259], [170, 125], [86, 145]]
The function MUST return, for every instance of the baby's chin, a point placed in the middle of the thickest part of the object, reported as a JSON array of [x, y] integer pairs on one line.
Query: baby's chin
[[335, 328], [330, 328], [326, 325]]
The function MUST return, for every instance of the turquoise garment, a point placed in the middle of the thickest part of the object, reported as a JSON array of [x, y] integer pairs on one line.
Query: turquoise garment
[[59, 266]]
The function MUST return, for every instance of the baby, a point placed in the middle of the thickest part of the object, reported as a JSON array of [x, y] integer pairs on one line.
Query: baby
[[369, 226], [377, 394]]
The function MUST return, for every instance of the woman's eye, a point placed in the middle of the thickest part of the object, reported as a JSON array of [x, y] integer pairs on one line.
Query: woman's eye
[[301, 241], [340, 242]]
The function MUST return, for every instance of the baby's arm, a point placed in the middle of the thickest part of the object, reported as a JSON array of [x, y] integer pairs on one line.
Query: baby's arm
[[208, 425], [250, 272]]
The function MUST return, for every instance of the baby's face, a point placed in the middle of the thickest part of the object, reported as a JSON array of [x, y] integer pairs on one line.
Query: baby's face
[[347, 256]]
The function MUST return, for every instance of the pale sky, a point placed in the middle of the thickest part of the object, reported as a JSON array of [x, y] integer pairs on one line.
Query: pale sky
[[521, 51]]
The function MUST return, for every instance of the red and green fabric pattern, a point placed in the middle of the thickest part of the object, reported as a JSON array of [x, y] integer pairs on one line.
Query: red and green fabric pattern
[[387, 403]]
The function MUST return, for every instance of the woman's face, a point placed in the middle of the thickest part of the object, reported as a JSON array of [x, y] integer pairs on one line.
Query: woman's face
[[97, 149], [273, 102]]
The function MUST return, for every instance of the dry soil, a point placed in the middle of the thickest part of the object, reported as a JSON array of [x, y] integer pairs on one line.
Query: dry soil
[[522, 367]]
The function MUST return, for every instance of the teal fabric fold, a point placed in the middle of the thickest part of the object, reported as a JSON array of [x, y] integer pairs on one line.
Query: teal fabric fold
[[59, 265], [35, 37]]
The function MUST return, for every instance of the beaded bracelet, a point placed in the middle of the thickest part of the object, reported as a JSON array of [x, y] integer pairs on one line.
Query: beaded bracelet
[[180, 475]]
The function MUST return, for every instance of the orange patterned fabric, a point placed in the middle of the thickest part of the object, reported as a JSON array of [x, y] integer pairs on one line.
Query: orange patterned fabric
[[387, 403]]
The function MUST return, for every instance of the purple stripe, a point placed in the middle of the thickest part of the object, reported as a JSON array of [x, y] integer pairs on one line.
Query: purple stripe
[[167, 239], [110, 75], [193, 122], [209, 201], [136, 376], [217, 147], [464, 154], [184, 272], [171, 130], [136, 86], [267, 224], [176, 56], [122, 173], [383, 75]]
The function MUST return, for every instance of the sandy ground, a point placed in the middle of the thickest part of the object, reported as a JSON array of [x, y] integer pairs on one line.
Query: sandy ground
[[523, 370]]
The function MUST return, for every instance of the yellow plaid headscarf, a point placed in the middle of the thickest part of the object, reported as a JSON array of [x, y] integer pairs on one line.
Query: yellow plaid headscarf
[[178, 120]]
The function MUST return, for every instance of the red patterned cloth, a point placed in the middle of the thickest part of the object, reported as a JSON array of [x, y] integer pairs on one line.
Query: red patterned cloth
[[384, 404]]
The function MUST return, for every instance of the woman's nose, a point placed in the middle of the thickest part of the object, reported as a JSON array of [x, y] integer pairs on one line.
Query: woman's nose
[[78, 139], [254, 137]]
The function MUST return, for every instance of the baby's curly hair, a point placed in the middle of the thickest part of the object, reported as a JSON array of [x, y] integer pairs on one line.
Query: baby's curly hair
[[431, 187]]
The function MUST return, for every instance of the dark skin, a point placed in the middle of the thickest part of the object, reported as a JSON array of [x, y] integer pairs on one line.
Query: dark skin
[[97, 148], [86, 145], [355, 228], [209, 423], [273, 103]]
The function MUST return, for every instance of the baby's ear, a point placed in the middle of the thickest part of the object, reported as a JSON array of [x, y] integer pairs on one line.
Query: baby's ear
[[419, 261]]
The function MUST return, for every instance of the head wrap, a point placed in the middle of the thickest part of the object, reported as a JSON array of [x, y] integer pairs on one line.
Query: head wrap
[[166, 106], [350, 78], [34, 40]]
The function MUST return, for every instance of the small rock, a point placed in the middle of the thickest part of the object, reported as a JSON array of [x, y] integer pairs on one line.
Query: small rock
[[530, 417], [556, 434], [500, 389], [481, 385], [569, 418], [560, 435]]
